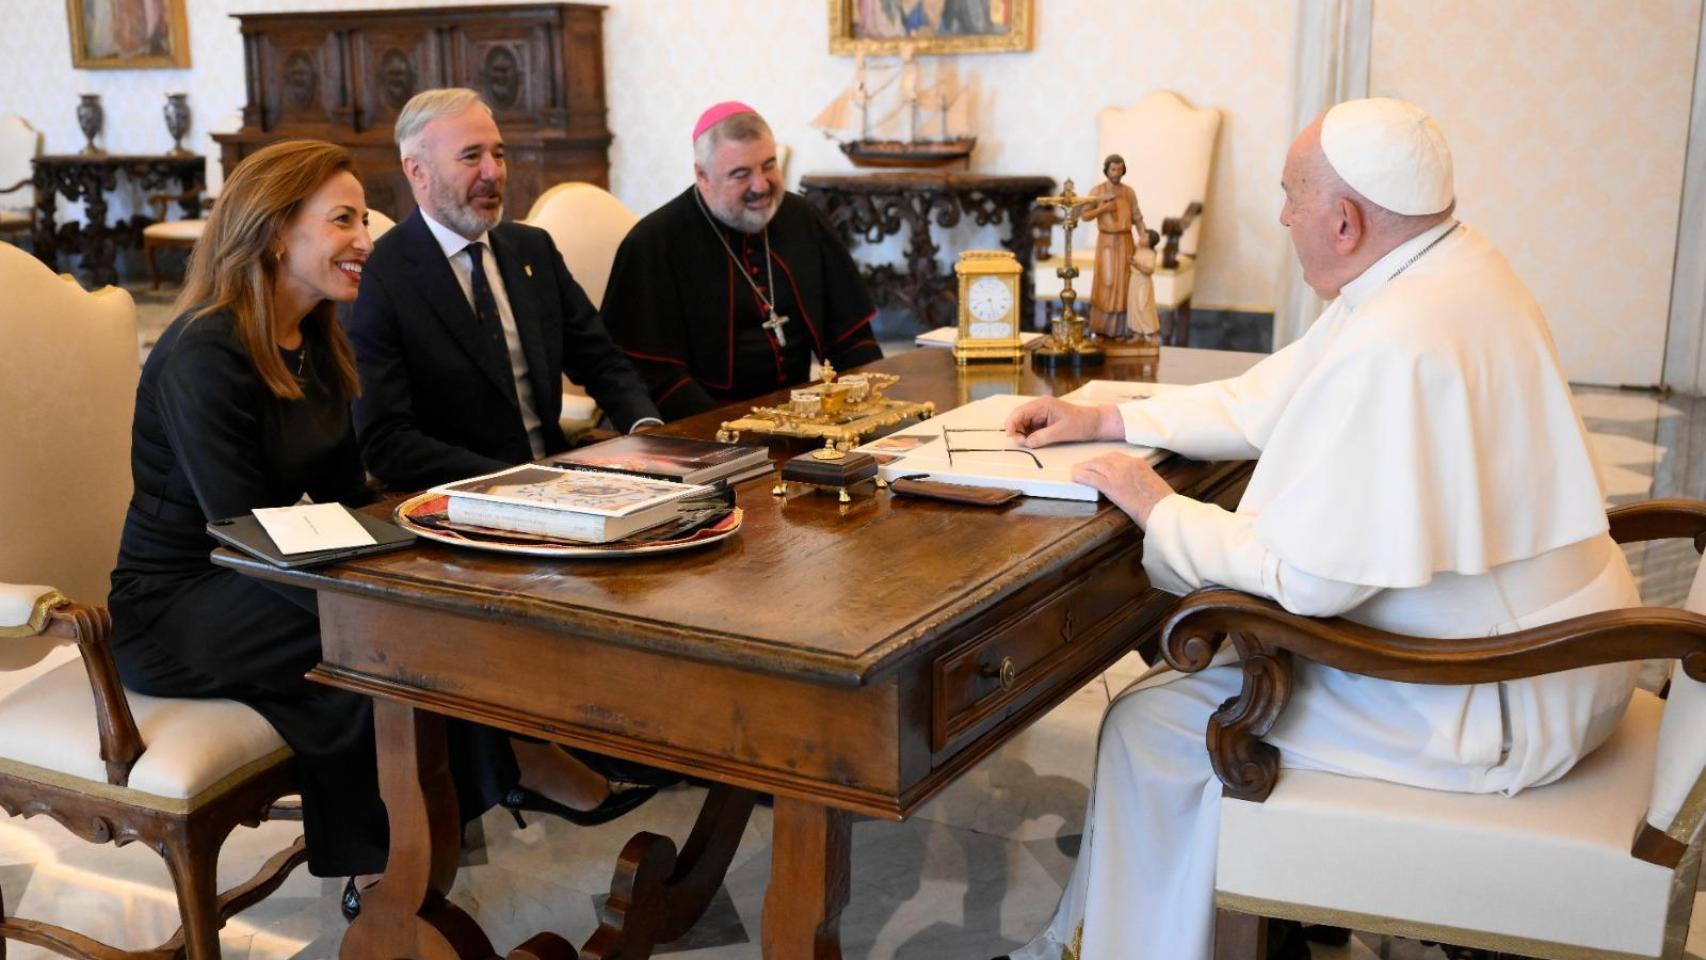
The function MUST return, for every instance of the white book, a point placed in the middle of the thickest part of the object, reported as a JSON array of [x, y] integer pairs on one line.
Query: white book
[[588, 506], [969, 445], [1116, 391]]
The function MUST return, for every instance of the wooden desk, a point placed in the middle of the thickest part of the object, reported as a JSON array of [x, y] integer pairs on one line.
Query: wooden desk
[[845, 658]]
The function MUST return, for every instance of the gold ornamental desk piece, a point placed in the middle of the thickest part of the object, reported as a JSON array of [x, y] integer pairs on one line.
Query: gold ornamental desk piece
[[839, 410]]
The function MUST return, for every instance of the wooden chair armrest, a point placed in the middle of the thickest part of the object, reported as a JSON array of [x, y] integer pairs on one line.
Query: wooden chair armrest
[[1267, 636], [1660, 520], [21, 184], [1172, 229], [91, 629], [1043, 222]]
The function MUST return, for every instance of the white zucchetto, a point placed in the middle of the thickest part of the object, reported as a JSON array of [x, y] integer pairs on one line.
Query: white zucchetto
[[1391, 152]]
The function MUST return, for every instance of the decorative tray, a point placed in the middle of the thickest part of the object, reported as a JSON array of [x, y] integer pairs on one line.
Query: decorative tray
[[423, 515]]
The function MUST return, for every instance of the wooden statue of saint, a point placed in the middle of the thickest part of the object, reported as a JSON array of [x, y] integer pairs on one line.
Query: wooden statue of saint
[[1115, 214]]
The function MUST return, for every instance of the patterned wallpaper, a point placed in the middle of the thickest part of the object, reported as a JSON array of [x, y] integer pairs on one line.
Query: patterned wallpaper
[[1569, 121], [667, 59]]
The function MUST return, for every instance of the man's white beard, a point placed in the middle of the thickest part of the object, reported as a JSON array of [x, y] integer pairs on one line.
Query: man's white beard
[[746, 219], [461, 217]]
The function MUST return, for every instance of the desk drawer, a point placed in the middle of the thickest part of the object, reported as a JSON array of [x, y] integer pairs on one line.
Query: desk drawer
[[1029, 650]]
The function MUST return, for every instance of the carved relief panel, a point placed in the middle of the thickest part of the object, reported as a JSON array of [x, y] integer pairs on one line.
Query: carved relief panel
[[302, 82], [392, 63]]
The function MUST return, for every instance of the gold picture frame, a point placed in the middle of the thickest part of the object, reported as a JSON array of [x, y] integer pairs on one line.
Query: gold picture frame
[[997, 26], [128, 34]]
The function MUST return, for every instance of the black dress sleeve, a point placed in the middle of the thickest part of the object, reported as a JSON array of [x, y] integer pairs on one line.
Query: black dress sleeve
[[210, 402]]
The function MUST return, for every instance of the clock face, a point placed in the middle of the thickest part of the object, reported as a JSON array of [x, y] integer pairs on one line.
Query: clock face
[[990, 301]]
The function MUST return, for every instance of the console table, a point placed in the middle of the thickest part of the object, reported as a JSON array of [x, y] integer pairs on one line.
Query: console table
[[88, 178], [872, 206]]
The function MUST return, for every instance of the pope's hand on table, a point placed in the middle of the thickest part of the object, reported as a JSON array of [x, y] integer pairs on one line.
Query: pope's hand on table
[[1130, 482], [1047, 420]]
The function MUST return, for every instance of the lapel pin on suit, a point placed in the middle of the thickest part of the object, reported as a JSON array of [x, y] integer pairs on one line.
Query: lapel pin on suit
[[527, 268]]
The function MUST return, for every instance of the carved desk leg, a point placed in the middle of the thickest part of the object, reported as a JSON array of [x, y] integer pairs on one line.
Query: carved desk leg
[[809, 865], [656, 896], [1240, 936], [43, 241], [406, 913]]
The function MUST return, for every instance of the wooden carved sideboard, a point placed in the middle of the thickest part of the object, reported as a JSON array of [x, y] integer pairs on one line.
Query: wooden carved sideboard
[[344, 75]]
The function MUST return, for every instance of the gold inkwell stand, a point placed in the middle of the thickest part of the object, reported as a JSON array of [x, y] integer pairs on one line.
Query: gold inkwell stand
[[841, 410], [1067, 345]]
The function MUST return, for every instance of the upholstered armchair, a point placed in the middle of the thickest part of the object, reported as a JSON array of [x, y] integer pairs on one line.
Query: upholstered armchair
[[1168, 148], [378, 224], [19, 144], [587, 224], [109, 765], [1601, 863]]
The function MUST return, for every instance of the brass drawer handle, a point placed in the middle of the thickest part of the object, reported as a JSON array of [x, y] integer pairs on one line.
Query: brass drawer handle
[[1007, 672]]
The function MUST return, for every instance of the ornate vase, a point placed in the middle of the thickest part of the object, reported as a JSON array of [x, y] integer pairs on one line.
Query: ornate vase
[[89, 117], [177, 122]]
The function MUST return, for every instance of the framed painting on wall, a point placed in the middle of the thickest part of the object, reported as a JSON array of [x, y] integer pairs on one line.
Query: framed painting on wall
[[128, 34], [885, 27]]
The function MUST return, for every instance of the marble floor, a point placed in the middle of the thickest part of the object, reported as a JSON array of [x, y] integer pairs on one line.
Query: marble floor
[[972, 875]]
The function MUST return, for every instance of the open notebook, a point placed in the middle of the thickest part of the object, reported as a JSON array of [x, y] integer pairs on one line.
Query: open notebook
[[969, 445]]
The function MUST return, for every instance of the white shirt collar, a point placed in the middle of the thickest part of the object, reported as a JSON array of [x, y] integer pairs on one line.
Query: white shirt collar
[[1355, 293], [449, 240]]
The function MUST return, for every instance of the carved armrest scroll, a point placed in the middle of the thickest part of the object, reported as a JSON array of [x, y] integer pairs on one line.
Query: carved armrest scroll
[[1660, 520], [1267, 636], [91, 629], [1172, 229]]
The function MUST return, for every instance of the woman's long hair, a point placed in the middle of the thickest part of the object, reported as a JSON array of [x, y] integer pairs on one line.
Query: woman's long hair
[[232, 267]]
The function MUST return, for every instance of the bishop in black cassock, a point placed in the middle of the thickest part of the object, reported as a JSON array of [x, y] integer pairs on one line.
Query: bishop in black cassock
[[696, 331]]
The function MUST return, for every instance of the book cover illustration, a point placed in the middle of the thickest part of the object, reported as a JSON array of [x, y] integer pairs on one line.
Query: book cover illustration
[[575, 491]]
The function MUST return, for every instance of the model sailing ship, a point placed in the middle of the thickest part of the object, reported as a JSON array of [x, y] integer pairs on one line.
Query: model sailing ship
[[885, 119]]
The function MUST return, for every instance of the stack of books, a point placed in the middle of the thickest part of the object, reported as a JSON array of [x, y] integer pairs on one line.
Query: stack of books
[[578, 505], [680, 459]]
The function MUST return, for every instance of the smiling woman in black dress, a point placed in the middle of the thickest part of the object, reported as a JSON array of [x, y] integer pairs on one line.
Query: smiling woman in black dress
[[244, 403]]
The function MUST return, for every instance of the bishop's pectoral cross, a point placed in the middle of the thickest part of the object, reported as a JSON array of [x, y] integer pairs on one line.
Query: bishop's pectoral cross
[[774, 325]]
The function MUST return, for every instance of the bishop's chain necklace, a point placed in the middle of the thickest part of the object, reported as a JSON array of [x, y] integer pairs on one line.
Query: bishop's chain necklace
[[776, 321], [1423, 252]]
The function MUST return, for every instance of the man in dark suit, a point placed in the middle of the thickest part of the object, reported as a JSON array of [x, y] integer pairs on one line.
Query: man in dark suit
[[465, 325]]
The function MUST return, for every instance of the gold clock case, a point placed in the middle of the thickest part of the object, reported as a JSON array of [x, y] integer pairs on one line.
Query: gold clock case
[[972, 265]]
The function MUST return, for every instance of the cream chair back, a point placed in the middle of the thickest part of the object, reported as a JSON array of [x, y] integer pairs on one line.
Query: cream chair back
[[1168, 148], [19, 144], [65, 410], [378, 223], [1678, 805], [587, 224]]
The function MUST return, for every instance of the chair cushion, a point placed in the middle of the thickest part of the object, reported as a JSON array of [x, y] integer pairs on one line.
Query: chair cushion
[[184, 231], [1551, 864], [11, 220], [196, 748]]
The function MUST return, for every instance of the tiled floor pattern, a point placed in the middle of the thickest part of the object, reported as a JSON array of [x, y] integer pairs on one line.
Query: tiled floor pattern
[[974, 874]]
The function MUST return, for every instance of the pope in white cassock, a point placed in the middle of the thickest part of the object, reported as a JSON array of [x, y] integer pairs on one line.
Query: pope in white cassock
[[1419, 469]]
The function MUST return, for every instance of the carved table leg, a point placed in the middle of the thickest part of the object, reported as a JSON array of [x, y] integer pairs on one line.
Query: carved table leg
[[656, 896], [43, 239], [406, 913], [809, 866]]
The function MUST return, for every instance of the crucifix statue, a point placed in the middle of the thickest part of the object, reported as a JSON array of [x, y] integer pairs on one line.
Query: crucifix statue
[[1066, 342], [774, 325]]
